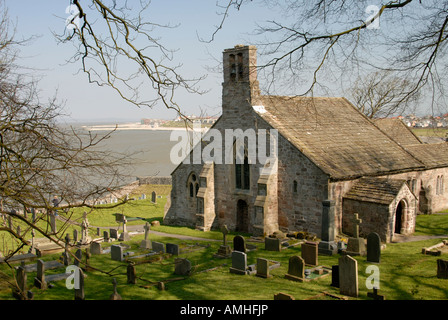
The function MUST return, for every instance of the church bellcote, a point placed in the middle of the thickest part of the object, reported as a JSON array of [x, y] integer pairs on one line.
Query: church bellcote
[[240, 77]]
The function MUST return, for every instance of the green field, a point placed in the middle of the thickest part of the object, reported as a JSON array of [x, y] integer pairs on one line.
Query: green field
[[405, 274]]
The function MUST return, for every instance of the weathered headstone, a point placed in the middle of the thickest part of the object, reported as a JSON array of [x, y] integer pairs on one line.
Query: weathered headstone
[[239, 263], [95, 248], [153, 197], [348, 276], [116, 252], [272, 244], [132, 277], [373, 247], [21, 279], [158, 247], [79, 288], [296, 269], [262, 268], [239, 243], [310, 253], [53, 223], [85, 238], [106, 236], [442, 269], [75, 235], [327, 245], [78, 257], [113, 233], [172, 248], [182, 266], [39, 280], [283, 296]]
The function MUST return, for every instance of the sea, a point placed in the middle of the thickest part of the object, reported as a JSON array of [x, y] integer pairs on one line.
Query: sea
[[148, 150]]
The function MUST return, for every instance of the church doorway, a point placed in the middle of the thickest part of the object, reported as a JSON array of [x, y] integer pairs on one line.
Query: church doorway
[[242, 216], [399, 214]]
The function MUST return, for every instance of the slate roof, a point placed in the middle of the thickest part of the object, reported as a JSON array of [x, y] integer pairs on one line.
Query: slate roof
[[397, 130], [433, 155], [378, 190], [335, 136]]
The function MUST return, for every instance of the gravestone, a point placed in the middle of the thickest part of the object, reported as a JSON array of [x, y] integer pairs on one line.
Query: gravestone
[[296, 269], [373, 247], [115, 295], [158, 247], [75, 236], [153, 197], [79, 289], [375, 296], [239, 243], [95, 248], [116, 252], [78, 257], [262, 268], [106, 236], [283, 296], [272, 244], [85, 238], [39, 280], [356, 245], [442, 269], [182, 266], [310, 253], [131, 274], [113, 233], [172, 249], [348, 276], [21, 279], [239, 263], [53, 223], [327, 245], [124, 236], [335, 276], [146, 243]]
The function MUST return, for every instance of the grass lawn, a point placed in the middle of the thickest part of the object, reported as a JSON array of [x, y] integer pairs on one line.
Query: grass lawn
[[405, 274]]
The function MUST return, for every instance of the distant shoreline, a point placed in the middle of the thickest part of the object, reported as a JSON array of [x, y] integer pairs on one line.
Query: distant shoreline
[[132, 126]]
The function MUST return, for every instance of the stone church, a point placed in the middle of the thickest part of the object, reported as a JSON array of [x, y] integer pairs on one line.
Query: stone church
[[325, 150]]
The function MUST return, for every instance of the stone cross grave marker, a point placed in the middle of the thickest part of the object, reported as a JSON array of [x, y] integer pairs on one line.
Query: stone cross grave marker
[[348, 276], [355, 244], [356, 222], [146, 243], [115, 295], [373, 247]]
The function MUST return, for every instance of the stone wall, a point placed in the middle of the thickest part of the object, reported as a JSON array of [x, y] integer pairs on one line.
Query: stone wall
[[154, 180]]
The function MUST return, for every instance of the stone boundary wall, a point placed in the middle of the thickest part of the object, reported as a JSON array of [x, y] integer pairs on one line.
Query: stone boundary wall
[[154, 180]]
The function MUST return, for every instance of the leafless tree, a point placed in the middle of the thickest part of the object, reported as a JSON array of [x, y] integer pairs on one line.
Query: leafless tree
[[41, 158], [381, 95], [119, 47], [323, 43]]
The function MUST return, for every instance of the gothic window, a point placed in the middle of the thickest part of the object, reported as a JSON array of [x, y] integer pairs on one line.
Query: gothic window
[[193, 185], [295, 186], [240, 66], [242, 170]]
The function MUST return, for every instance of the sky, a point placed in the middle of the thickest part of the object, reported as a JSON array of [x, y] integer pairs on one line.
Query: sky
[[88, 102]]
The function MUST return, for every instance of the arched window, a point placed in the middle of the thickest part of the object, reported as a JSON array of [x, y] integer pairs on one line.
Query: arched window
[[242, 170], [295, 186], [193, 185]]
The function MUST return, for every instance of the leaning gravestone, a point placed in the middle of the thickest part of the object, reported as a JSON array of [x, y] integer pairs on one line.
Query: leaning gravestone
[[239, 244], [348, 276], [373, 247], [113, 233], [182, 266], [39, 280], [153, 197], [296, 269]]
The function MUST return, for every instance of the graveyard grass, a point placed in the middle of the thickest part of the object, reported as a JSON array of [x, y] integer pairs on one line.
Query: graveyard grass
[[405, 273]]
